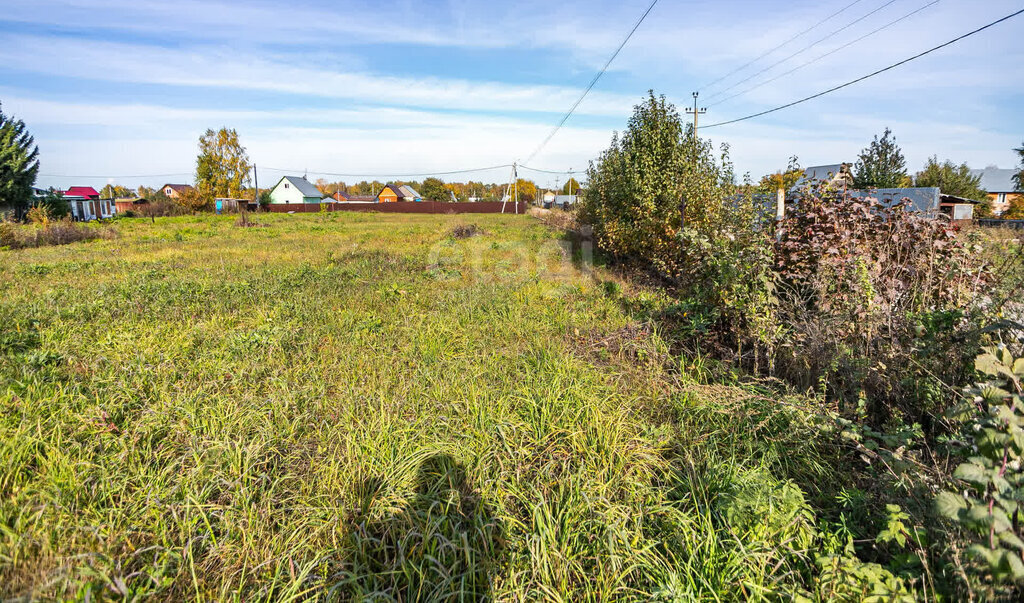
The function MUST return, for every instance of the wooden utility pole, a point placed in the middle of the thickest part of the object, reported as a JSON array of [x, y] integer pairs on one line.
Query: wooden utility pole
[[695, 112]]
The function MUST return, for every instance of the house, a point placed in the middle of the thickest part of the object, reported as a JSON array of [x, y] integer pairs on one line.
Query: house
[[837, 175], [173, 191], [132, 204], [347, 198], [549, 198], [294, 190], [393, 192], [1000, 187], [86, 205]]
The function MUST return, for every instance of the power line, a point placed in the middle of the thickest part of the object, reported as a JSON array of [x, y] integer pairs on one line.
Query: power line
[[116, 177], [804, 49], [827, 54], [526, 167], [569, 113], [759, 57], [870, 75], [396, 175]]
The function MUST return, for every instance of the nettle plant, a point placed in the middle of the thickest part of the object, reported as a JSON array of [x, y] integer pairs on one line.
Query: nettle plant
[[990, 506]]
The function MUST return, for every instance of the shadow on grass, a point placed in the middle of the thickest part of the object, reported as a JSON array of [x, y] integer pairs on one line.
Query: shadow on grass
[[444, 545]]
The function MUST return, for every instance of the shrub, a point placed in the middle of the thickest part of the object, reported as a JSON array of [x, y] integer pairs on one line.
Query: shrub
[[877, 299], [659, 198], [989, 507], [44, 232]]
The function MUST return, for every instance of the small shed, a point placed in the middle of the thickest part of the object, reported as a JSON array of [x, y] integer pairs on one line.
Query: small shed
[[957, 208], [133, 204]]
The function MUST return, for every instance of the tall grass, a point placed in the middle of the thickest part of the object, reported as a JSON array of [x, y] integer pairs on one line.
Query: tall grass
[[317, 409]]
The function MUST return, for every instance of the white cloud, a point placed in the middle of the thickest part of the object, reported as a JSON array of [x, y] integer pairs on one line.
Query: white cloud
[[221, 67]]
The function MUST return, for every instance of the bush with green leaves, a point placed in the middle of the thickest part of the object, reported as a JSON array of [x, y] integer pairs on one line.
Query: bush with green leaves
[[989, 506], [659, 198]]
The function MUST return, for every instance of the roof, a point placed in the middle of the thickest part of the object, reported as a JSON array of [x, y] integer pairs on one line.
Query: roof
[[408, 191], [339, 195], [957, 200], [132, 200], [925, 200], [995, 180], [177, 187], [394, 188], [822, 173], [307, 188], [362, 199], [81, 191]]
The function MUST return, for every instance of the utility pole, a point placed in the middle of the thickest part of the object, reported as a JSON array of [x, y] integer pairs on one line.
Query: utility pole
[[695, 112], [256, 180], [515, 176]]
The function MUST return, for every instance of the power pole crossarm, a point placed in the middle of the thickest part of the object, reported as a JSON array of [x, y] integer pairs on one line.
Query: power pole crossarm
[[695, 111]]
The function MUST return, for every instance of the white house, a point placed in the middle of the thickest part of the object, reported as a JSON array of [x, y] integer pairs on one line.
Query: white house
[[294, 190]]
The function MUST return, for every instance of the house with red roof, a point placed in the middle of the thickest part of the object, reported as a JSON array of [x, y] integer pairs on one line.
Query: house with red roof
[[86, 204]]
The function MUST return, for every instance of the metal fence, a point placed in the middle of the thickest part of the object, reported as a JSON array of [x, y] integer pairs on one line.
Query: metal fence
[[992, 223], [403, 207]]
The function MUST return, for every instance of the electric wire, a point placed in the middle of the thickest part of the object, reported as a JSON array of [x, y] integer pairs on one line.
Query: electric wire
[[763, 55], [392, 175], [593, 82], [827, 54], [802, 50], [870, 75]]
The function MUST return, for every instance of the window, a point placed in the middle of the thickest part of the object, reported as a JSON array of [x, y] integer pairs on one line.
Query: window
[[286, 185], [1002, 198]]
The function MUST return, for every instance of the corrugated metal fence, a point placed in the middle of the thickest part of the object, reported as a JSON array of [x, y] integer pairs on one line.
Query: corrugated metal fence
[[402, 207], [1016, 224]]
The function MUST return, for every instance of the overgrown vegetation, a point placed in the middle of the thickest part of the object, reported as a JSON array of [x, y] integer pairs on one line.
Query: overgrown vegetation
[[43, 230], [878, 310]]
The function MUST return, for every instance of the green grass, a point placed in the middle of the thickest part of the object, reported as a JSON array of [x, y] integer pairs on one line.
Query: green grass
[[359, 406]]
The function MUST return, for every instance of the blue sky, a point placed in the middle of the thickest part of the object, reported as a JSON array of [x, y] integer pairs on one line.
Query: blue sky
[[120, 90]]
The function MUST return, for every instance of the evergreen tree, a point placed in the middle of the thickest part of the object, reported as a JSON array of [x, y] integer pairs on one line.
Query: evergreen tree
[[19, 164], [881, 165], [951, 179]]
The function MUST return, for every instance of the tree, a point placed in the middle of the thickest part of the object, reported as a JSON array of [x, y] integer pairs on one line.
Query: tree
[[19, 164], [881, 165], [1016, 209], [771, 183], [192, 200], [55, 203], [571, 187], [116, 192], [951, 179], [222, 167], [1018, 178], [526, 189], [434, 190]]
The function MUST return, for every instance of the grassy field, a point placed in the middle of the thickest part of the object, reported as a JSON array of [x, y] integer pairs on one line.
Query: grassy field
[[362, 406]]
